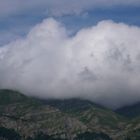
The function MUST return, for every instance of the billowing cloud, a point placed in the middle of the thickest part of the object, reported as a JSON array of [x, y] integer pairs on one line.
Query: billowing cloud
[[57, 8], [100, 63]]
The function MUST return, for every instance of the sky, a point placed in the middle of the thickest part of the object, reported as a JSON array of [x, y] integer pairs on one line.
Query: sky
[[87, 49], [17, 17]]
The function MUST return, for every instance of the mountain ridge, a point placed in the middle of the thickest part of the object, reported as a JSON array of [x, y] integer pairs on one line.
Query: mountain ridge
[[130, 111], [65, 119]]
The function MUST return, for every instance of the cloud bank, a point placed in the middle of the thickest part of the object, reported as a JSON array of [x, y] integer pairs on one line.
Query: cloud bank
[[100, 63], [58, 8]]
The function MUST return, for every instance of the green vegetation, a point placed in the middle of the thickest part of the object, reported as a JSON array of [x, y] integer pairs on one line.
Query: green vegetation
[[28, 118], [133, 135], [9, 134], [42, 136], [71, 105], [9, 97], [92, 136], [130, 111]]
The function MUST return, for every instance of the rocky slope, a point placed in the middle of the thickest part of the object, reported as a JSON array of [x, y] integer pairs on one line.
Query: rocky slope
[[95, 117], [72, 119]]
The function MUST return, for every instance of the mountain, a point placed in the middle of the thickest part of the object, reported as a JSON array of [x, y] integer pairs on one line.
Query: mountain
[[94, 116], [28, 118], [9, 97], [132, 129], [130, 111]]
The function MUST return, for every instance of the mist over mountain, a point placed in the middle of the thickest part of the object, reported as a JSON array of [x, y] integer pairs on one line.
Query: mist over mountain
[[100, 63]]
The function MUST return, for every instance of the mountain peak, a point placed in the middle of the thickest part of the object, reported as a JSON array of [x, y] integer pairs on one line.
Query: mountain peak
[[10, 96]]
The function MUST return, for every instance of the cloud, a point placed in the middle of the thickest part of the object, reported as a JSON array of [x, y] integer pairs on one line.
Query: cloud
[[100, 63], [57, 8]]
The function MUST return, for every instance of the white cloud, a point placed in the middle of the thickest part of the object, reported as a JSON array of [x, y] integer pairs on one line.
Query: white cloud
[[100, 63]]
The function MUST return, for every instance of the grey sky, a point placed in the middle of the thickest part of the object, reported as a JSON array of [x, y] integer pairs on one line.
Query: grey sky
[[57, 7]]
